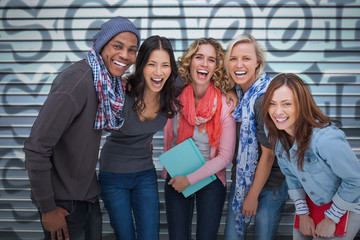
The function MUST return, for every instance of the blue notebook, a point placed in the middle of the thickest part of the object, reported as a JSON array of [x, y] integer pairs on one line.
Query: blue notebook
[[183, 159]]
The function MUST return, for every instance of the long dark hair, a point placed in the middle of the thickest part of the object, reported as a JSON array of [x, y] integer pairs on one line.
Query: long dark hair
[[309, 116], [136, 82]]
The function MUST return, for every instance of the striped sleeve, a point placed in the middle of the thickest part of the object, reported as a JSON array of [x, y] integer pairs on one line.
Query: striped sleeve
[[301, 207], [334, 213]]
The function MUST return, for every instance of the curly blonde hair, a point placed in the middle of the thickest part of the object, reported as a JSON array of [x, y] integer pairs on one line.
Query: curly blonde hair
[[220, 79]]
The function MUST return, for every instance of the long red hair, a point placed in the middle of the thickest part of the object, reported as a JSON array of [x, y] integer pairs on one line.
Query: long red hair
[[308, 113]]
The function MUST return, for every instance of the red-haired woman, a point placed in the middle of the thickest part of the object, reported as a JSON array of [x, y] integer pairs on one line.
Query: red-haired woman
[[315, 157]]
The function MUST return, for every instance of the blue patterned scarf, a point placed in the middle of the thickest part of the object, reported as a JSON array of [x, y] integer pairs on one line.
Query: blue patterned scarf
[[247, 158], [110, 94]]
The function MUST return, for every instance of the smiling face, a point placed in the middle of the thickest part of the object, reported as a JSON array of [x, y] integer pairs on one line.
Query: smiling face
[[242, 65], [157, 70], [282, 109], [120, 53], [203, 64]]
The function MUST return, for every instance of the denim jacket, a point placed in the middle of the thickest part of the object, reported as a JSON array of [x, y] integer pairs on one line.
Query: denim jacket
[[331, 170]]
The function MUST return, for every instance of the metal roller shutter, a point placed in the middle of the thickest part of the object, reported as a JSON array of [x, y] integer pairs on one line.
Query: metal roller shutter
[[317, 39]]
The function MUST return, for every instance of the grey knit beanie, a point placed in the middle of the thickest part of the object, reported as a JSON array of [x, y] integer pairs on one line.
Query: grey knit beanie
[[111, 28]]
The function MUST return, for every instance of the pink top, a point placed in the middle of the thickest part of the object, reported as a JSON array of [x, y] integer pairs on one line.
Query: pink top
[[221, 156]]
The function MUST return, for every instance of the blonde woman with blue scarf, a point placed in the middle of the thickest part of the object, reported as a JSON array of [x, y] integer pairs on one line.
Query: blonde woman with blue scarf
[[258, 188]]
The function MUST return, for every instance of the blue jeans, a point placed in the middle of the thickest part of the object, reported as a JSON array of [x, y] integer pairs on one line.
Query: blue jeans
[[132, 194], [270, 205], [179, 211], [84, 221]]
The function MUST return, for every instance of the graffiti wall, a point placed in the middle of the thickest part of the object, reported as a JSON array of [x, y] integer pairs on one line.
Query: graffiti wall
[[317, 39]]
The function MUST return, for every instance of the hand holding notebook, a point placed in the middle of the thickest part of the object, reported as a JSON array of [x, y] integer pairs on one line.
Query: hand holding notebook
[[183, 159], [317, 214]]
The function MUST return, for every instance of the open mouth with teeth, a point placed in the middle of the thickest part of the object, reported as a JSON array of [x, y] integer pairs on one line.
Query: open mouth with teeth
[[281, 120], [156, 81], [120, 64], [240, 73], [202, 74]]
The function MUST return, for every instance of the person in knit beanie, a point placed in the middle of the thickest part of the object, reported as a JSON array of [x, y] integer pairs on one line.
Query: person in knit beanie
[[111, 28], [114, 51], [62, 150]]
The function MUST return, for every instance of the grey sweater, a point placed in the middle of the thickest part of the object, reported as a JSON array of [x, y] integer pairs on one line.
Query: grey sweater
[[61, 152], [129, 150]]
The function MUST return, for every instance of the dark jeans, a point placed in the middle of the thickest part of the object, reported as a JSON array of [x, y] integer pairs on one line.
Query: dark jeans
[[179, 211], [132, 199], [84, 221]]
